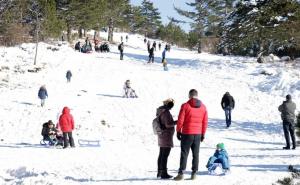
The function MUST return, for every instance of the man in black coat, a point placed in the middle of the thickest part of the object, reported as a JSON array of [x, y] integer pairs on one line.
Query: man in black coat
[[121, 49], [287, 109], [227, 104], [151, 55]]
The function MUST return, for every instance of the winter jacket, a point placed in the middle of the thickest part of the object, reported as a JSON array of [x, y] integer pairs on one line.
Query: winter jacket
[[165, 139], [43, 93], [287, 109], [151, 52], [192, 118], [69, 74], [227, 101], [220, 156], [164, 54], [46, 130], [66, 121]]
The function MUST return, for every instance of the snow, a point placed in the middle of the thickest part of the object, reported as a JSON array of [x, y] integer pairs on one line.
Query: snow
[[128, 149]]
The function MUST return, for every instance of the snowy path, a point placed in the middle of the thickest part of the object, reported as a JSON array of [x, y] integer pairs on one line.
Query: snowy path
[[128, 150]]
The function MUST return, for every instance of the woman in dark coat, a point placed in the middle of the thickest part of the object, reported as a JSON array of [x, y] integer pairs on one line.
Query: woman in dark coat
[[165, 139]]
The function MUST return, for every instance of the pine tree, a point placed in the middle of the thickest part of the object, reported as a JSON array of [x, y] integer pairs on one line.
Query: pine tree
[[151, 18]]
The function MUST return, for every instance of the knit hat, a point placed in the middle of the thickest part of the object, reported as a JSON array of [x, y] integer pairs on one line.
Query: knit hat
[[221, 146]]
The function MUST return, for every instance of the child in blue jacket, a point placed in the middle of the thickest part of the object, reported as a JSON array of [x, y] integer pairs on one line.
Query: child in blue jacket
[[220, 157]]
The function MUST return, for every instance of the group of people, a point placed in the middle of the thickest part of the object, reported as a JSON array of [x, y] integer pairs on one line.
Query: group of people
[[87, 46], [191, 128]]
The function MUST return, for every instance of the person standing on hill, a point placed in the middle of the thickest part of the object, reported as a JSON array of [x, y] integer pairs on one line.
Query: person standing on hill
[[227, 104], [126, 38], [287, 109], [191, 128], [68, 76], [43, 94], [165, 138], [159, 46], [66, 123], [154, 45], [121, 49], [151, 55], [148, 46]]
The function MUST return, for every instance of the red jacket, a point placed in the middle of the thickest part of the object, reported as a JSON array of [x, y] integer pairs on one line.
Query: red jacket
[[192, 118], [66, 121]]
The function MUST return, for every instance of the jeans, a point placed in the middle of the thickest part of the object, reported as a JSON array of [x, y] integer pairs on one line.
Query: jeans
[[151, 58], [68, 138], [43, 102], [121, 55], [162, 160], [289, 129], [228, 116], [189, 142]]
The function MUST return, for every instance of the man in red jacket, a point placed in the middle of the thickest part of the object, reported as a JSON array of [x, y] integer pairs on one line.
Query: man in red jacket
[[66, 123], [191, 128]]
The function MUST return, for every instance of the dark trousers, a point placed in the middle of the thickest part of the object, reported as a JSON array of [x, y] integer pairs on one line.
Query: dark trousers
[[68, 138], [289, 129], [163, 158], [189, 142], [228, 116], [121, 55], [151, 58]]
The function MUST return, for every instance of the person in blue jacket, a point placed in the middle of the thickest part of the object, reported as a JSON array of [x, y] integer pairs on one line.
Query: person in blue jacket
[[220, 157], [43, 94]]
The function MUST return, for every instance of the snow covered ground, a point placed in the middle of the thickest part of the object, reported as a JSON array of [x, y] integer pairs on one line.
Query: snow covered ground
[[128, 149]]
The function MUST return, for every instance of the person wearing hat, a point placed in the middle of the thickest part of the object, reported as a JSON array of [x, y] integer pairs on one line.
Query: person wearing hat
[[220, 157], [287, 109], [165, 138], [191, 128]]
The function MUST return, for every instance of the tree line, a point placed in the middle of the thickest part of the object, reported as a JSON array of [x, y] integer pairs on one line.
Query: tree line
[[243, 27]]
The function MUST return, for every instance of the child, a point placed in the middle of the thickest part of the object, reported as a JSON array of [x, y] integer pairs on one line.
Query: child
[[49, 132], [220, 158], [128, 91]]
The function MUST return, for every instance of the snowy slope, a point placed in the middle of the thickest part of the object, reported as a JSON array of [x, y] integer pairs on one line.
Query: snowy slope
[[128, 150]]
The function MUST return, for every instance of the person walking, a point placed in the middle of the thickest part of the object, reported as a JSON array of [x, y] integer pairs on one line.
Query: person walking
[[287, 109], [165, 138], [66, 123], [227, 104], [154, 45], [148, 46], [151, 55], [121, 49], [68, 76], [159, 46], [191, 128], [43, 94]]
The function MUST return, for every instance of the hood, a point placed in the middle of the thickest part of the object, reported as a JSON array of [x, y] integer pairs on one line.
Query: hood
[[66, 110], [194, 102]]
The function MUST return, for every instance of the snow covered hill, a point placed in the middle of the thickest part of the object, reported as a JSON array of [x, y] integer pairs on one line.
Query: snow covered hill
[[128, 149]]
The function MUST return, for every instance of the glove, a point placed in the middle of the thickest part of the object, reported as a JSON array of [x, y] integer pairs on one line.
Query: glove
[[202, 138], [179, 136]]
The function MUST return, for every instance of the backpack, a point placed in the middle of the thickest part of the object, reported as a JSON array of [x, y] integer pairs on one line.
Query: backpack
[[156, 125], [119, 47]]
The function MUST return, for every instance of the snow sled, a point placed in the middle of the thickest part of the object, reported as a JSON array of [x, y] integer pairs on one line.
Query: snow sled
[[88, 143], [216, 169], [56, 142]]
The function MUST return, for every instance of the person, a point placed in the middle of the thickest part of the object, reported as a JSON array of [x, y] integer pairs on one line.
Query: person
[[121, 49], [165, 138], [287, 109], [220, 157], [159, 46], [121, 38], [227, 104], [43, 94], [128, 91], [191, 128], [151, 55], [77, 46], [66, 124], [148, 46], [49, 132], [126, 38], [145, 40], [163, 55], [68, 76], [154, 45]]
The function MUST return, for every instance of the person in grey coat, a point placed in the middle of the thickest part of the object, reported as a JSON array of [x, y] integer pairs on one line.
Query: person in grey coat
[[287, 109], [43, 94], [165, 139]]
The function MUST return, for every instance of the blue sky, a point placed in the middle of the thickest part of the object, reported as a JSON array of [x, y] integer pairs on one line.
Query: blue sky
[[166, 9]]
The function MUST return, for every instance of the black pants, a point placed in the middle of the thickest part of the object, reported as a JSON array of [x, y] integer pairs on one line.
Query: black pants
[[151, 58], [68, 138], [289, 129], [189, 142], [121, 55], [163, 158]]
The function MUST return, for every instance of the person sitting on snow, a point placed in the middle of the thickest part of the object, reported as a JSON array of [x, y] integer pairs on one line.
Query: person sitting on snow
[[49, 132], [220, 158], [128, 91]]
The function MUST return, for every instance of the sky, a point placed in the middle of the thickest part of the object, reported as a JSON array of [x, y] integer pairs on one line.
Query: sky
[[166, 9]]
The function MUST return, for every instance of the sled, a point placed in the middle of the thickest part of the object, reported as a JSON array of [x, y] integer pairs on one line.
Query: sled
[[88, 143]]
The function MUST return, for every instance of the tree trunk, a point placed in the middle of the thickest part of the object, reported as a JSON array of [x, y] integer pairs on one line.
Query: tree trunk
[[84, 32], [199, 45], [110, 30], [69, 32], [37, 37], [80, 32]]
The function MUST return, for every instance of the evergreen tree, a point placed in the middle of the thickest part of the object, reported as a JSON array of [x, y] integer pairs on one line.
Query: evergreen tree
[[151, 19]]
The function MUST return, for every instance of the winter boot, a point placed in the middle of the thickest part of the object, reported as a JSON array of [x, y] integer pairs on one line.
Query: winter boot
[[165, 175], [193, 176], [159, 172], [179, 177]]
